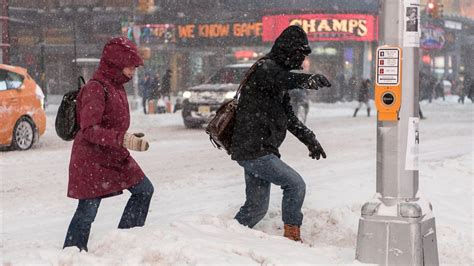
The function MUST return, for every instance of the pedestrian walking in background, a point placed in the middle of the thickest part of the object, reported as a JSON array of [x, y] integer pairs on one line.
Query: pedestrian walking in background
[[470, 90], [147, 87], [439, 89], [466, 88], [263, 116], [363, 97], [101, 165], [166, 84], [157, 85]]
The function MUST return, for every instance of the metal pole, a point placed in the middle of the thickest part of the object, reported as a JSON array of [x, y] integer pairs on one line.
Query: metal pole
[[393, 180], [43, 85], [75, 68], [5, 46], [135, 78], [397, 226]]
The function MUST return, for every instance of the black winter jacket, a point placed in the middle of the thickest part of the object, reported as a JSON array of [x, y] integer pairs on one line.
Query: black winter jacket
[[264, 112]]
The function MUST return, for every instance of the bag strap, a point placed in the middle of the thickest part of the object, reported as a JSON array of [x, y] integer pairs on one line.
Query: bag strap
[[247, 76], [80, 81]]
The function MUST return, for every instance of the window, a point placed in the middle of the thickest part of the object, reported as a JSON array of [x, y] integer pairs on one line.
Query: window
[[3, 83], [14, 81], [10, 80]]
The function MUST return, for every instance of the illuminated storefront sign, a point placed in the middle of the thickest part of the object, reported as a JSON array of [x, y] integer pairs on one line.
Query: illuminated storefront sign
[[216, 30], [432, 37], [324, 27], [218, 33], [151, 33], [196, 34]]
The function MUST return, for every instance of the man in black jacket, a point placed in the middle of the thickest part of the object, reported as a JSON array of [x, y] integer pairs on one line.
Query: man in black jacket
[[263, 115]]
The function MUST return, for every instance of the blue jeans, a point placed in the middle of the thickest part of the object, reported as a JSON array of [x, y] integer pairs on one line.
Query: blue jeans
[[134, 214], [259, 174]]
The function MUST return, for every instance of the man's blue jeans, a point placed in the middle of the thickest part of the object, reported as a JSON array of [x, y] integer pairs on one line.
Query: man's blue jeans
[[134, 214], [259, 174]]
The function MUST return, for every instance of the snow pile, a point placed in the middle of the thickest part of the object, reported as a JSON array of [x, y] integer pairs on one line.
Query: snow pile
[[198, 190]]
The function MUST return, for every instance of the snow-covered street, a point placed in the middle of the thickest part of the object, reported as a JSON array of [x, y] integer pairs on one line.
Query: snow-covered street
[[198, 190]]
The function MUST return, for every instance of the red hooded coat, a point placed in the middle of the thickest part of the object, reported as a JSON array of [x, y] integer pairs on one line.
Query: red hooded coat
[[99, 165]]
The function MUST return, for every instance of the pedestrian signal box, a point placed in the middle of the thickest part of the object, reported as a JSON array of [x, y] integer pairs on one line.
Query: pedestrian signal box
[[388, 83]]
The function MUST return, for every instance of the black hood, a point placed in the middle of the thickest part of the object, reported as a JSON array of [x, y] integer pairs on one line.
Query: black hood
[[290, 48]]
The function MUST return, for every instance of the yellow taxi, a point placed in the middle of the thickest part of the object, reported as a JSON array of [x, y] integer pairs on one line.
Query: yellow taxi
[[22, 116]]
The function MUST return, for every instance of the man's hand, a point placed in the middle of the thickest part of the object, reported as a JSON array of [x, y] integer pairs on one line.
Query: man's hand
[[317, 81], [135, 142], [316, 150]]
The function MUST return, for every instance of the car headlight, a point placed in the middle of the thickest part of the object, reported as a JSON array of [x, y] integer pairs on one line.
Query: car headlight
[[230, 95], [186, 94]]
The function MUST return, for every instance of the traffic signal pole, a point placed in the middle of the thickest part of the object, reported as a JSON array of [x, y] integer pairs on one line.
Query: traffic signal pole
[[397, 227], [5, 42]]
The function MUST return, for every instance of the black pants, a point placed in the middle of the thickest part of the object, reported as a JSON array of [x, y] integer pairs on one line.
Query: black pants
[[134, 214], [144, 103]]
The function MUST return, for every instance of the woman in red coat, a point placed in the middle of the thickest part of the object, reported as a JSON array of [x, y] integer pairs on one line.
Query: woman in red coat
[[101, 164]]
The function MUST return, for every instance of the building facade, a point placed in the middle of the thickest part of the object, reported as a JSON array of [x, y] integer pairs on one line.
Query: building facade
[[194, 38], [446, 40]]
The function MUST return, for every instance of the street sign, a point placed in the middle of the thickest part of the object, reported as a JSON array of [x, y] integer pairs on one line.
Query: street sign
[[388, 88], [388, 66]]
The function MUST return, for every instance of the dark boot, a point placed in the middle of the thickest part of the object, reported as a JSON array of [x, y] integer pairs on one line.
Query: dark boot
[[368, 112], [292, 232], [355, 112]]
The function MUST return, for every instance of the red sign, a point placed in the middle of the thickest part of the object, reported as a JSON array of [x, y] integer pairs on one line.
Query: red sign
[[324, 27]]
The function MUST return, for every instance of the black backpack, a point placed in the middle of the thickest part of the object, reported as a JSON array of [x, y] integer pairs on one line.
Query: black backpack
[[66, 121]]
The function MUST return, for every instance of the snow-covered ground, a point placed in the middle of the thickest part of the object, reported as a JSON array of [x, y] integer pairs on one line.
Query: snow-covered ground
[[198, 189]]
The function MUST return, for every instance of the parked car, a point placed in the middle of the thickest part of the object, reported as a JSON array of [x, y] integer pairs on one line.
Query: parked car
[[201, 102], [22, 115]]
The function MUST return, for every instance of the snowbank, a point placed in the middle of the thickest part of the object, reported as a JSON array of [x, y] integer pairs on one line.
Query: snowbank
[[198, 189]]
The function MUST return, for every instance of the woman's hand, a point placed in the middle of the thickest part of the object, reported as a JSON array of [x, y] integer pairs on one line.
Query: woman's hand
[[135, 142]]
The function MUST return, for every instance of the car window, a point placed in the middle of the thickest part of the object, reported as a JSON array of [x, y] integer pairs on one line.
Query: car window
[[14, 80], [228, 75], [3, 85]]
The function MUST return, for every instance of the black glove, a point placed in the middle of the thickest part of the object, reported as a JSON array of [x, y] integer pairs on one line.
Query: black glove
[[316, 150], [317, 81]]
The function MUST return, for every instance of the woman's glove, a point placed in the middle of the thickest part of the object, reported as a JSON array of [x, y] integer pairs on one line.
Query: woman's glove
[[135, 142]]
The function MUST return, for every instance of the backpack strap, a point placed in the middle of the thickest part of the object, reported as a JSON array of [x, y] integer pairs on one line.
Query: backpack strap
[[80, 81]]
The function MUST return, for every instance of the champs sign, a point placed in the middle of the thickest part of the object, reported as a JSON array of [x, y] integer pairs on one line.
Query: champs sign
[[324, 27]]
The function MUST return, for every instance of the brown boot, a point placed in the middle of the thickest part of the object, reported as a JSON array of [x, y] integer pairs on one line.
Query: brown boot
[[292, 232]]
